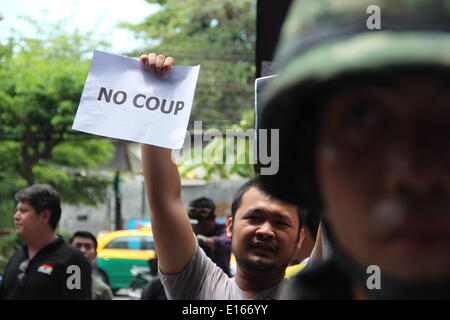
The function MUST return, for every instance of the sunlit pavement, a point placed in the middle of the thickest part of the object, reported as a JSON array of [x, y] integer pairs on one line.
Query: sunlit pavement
[[127, 294], [122, 294]]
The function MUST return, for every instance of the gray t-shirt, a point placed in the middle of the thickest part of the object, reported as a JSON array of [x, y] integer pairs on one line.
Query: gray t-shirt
[[202, 279]]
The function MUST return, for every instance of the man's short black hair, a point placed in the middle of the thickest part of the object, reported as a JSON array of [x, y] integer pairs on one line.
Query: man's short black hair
[[256, 183], [84, 234], [312, 222], [42, 197]]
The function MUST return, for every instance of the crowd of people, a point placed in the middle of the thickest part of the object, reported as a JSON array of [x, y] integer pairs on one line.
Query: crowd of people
[[360, 205]]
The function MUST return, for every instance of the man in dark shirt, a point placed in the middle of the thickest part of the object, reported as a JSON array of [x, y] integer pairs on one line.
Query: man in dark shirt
[[46, 268]]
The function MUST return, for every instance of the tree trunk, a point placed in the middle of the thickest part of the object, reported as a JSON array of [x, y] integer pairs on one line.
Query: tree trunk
[[28, 161]]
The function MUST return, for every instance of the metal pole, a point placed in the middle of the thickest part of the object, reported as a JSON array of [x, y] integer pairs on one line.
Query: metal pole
[[143, 200], [117, 197]]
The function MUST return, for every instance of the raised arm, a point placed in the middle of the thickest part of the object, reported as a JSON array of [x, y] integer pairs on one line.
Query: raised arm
[[175, 241]]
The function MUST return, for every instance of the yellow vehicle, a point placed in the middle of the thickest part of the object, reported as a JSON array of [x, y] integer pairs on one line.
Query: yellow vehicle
[[293, 270], [119, 251]]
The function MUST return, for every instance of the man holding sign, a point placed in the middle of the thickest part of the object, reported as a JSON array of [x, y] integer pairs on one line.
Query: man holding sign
[[264, 231]]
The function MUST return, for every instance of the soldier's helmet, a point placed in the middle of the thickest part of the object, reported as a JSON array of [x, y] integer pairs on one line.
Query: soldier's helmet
[[323, 40]]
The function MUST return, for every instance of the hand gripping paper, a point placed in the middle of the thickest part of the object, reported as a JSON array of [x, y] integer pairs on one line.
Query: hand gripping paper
[[123, 99]]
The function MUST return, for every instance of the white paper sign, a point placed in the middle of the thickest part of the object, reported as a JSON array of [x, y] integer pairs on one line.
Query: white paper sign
[[122, 99]]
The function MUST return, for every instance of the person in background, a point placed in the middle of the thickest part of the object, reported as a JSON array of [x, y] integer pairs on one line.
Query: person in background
[[303, 253], [87, 243], [214, 234], [308, 250], [46, 267]]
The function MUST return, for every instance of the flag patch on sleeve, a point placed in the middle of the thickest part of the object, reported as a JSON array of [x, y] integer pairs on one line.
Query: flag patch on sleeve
[[45, 268]]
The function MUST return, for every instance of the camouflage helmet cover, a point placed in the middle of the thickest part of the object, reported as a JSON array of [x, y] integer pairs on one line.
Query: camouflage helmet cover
[[324, 39]]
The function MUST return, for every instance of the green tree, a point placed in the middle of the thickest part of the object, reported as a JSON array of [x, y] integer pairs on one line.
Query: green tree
[[8, 244], [223, 157], [219, 35], [41, 81]]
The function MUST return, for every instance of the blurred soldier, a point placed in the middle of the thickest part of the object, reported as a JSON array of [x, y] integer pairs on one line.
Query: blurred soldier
[[364, 123]]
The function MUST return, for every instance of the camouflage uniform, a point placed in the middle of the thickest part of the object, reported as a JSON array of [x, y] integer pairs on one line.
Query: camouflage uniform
[[321, 41]]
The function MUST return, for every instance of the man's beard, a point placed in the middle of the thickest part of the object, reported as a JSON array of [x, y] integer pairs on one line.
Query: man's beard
[[259, 266]]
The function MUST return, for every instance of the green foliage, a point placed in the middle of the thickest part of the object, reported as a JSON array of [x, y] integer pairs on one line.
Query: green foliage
[[220, 36], [66, 235], [8, 245], [73, 154], [10, 183], [223, 157], [41, 81]]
